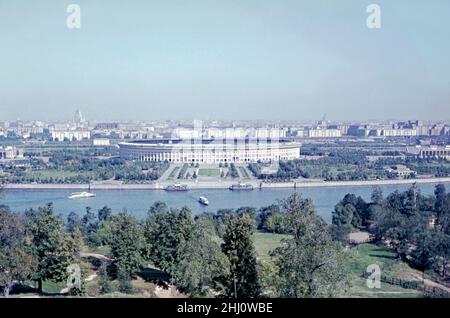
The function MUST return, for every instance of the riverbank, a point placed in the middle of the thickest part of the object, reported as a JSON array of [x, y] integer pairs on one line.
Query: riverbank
[[212, 185]]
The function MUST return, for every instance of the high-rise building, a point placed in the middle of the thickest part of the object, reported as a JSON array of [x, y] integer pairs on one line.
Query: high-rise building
[[78, 117]]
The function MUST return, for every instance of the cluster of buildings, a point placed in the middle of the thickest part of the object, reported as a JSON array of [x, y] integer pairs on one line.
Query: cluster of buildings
[[80, 129], [215, 142], [398, 129]]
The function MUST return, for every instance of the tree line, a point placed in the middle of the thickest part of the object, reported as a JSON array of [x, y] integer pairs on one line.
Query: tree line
[[415, 226], [206, 255]]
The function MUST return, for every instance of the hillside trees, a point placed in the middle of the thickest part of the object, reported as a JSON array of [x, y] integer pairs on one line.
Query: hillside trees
[[201, 261], [242, 281], [16, 261], [166, 229], [310, 263], [53, 248], [128, 247]]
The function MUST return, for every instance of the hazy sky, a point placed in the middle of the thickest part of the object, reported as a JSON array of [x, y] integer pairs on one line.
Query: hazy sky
[[225, 59]]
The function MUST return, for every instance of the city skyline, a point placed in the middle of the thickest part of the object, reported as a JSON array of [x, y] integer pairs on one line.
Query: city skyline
[[253, 60]]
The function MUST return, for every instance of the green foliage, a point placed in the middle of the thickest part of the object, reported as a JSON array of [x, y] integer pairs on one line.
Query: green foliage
[[104, 213], [309, 264], [201, 261], [416, 227], [125, 285], [16, 261], [242, 281], [53, 248], [83, 166], [270, 219], [105, 283], [128, 246], [166, 230], [350, 213]]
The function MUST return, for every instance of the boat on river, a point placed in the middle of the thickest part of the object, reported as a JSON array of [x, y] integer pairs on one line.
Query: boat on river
[[203, 201], [241, 187], [176, 187], [81, 195]]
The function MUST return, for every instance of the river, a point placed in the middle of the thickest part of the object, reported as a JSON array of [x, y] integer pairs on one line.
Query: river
[[139, 201]]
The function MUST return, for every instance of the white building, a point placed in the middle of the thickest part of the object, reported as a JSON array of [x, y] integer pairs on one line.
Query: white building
[[210, 151], [400, 171], [10, 152], [101, 142], [324, 133], [71, 135], [399, 132], [78, 118], [430, 152]]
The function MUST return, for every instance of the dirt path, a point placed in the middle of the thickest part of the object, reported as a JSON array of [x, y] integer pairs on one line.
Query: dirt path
[[411, 291], [359, 237], [100, 257], [428, 282]]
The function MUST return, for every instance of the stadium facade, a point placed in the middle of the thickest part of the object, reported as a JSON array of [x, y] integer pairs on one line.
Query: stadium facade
[[210, 150]]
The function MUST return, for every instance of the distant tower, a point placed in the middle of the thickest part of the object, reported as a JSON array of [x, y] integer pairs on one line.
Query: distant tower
[[78, 117]]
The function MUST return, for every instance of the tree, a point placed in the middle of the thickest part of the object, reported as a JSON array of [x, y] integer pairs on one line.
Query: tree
[[342, 221], [242, 282], [104, 213], [442, 208], [425, 250], [127, 244], [250, 211], [309, 264], [104, 281], [403, 218], [165, 230], [16, 261], [276, 223], [124, 278], [377, 195], [73, 222], [53, 248], [265, 213], [89, 224], [201, 261]]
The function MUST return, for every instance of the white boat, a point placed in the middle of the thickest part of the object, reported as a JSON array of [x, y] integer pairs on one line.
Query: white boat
[[81, 195], [203, 200]]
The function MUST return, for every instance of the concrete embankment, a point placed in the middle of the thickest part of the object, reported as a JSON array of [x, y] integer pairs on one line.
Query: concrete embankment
[[223, 185]]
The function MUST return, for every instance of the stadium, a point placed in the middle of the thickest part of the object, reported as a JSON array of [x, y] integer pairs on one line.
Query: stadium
[[210, 150]]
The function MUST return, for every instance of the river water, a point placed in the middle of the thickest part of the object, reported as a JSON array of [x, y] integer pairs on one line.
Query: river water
[[139, 201]]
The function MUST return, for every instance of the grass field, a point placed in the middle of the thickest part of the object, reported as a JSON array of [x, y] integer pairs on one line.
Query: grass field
[[266, 242], [208, 172], [244, 173], [358, 258], [365, 254], [174, 173]]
